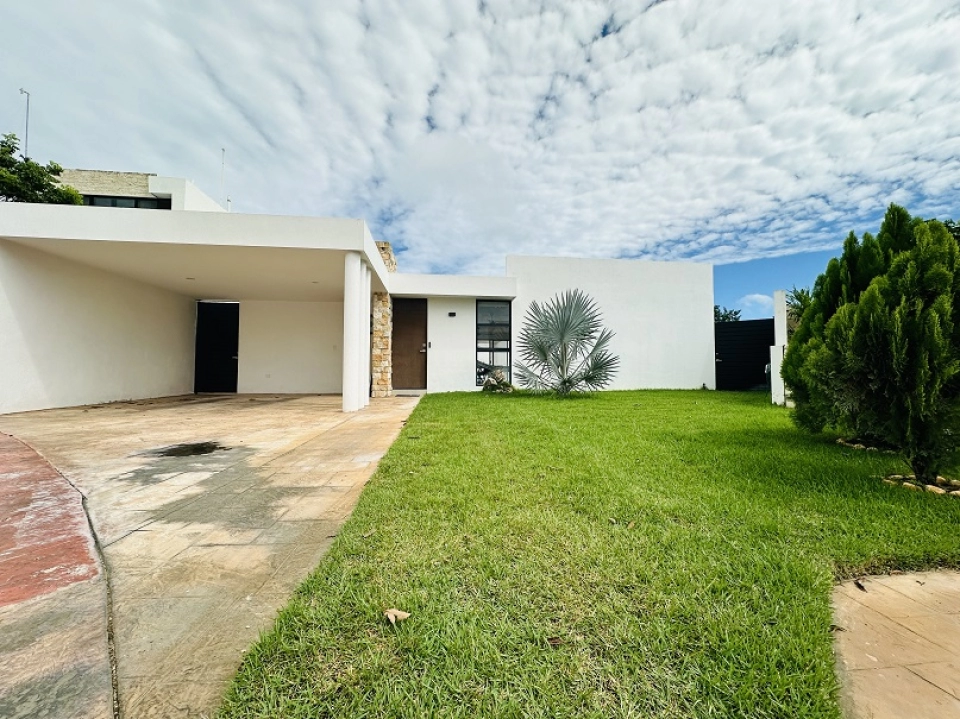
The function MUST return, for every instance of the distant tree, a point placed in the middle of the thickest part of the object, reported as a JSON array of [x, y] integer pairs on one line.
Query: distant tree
[[798, 299], [564, 347], [722, 314], [23, 180]]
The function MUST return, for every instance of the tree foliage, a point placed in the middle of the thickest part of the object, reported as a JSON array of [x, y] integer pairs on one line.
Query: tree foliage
[[798, 300], [722, 314], [23, 180], [876, 354], [564, 347]]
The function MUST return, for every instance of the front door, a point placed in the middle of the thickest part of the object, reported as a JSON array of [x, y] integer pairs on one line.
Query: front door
[[218, 335], [409, 344]]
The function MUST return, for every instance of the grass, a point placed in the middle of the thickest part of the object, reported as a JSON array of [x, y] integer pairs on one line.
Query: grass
[[629, 554]]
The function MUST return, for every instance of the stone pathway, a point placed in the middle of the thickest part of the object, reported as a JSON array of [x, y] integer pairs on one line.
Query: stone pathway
[[210, 511], [898, 646]]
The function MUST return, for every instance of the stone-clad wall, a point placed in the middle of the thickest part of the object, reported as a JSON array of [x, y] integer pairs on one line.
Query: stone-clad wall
[[381, 363], [111, 184], [386, 254]]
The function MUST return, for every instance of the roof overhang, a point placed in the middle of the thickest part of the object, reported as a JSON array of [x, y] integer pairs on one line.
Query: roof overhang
[[409, 285], [205, 255]]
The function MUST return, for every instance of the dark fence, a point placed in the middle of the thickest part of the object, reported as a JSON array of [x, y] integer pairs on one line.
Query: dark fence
[[743, 352]]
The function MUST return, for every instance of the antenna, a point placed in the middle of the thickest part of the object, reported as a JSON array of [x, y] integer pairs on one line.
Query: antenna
[[26, 134], [223, 162]]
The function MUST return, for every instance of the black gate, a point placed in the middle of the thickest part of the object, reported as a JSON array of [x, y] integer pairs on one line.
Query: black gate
[[743, 353]]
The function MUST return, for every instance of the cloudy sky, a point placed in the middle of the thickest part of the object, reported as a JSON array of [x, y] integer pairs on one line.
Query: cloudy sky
[[466, 130]]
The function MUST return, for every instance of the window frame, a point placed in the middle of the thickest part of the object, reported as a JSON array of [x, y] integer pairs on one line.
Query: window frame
[[496, 352]]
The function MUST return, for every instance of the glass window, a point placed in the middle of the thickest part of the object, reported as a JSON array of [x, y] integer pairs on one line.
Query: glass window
[[493, 338], [126, 202], [101, 201], [147, 204]]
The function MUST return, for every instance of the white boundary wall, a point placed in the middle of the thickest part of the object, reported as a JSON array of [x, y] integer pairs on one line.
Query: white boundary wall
[[661, 312], [71, 335], [290, 347]]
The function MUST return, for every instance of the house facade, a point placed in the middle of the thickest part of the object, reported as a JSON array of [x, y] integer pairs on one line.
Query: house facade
[[152, 290]]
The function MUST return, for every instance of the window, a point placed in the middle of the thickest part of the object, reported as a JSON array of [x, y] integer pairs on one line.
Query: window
[[142, 203], [493, 338]]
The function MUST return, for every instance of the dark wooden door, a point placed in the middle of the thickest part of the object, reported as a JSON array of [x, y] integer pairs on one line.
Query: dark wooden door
[[409, 344], [218, 336]]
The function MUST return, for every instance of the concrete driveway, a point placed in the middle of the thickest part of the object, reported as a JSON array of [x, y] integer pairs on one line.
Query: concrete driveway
[[208, 511]]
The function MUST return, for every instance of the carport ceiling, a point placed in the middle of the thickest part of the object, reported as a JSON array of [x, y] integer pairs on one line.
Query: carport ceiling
[[213, 272]]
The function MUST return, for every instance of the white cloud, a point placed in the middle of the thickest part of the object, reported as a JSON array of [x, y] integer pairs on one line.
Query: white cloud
[[463, 131], [756, 302]]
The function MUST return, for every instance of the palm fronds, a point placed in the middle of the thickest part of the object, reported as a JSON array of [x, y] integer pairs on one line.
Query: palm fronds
[[564, 347]]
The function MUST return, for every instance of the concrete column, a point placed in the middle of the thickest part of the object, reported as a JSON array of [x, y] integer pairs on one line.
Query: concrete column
[[352, 305], [368, 282]]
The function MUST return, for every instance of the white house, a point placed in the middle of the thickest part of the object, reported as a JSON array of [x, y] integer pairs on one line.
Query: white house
[[152, 290]]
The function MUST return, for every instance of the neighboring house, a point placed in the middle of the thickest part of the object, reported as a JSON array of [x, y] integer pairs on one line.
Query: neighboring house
[[112, 302]]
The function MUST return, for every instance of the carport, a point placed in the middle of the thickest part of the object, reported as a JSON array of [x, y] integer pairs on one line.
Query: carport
[[101, 304]]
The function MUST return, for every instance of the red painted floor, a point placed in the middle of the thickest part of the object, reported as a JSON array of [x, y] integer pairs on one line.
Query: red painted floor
[[45, 542]]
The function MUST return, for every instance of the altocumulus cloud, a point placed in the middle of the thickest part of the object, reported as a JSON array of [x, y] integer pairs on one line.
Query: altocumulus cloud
[[466, 130]]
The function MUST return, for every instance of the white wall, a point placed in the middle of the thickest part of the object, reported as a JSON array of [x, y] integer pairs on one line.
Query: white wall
[[294, 347], [451, 356], [661, 312], [778, 390], [183, 194], [71, 334]]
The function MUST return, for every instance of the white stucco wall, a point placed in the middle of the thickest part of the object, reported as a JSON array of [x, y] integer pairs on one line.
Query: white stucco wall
[[294, 347], [451, 355], [183, 194], [71, 334], [778, 390], [661, 312]]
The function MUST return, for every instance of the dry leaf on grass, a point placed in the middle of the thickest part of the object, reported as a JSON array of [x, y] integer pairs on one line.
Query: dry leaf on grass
[[631, 525], [396, 615], [554, 641], [367, 535]]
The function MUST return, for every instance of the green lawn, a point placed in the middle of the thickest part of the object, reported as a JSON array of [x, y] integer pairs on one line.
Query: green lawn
[[629, 554]]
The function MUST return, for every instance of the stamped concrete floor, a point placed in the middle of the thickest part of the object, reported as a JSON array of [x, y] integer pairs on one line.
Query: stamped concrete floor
[[204, 543], [898, 646]]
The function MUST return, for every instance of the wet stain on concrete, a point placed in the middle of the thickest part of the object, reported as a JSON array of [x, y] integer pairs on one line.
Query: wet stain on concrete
[[189, 449]]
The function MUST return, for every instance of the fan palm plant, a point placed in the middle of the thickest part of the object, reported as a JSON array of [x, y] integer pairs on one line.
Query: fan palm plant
[[564, 347]]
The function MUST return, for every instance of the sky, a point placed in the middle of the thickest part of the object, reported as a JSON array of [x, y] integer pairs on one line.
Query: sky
[[752, 134]]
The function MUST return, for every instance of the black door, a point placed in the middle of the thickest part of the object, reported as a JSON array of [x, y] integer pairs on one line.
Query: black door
[[218, 332], [743, 353]]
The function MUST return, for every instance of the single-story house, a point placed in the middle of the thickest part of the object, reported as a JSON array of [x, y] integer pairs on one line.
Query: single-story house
[[150, 289]]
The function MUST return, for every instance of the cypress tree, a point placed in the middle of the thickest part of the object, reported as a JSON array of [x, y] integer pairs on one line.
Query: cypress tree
[[878, 354]]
